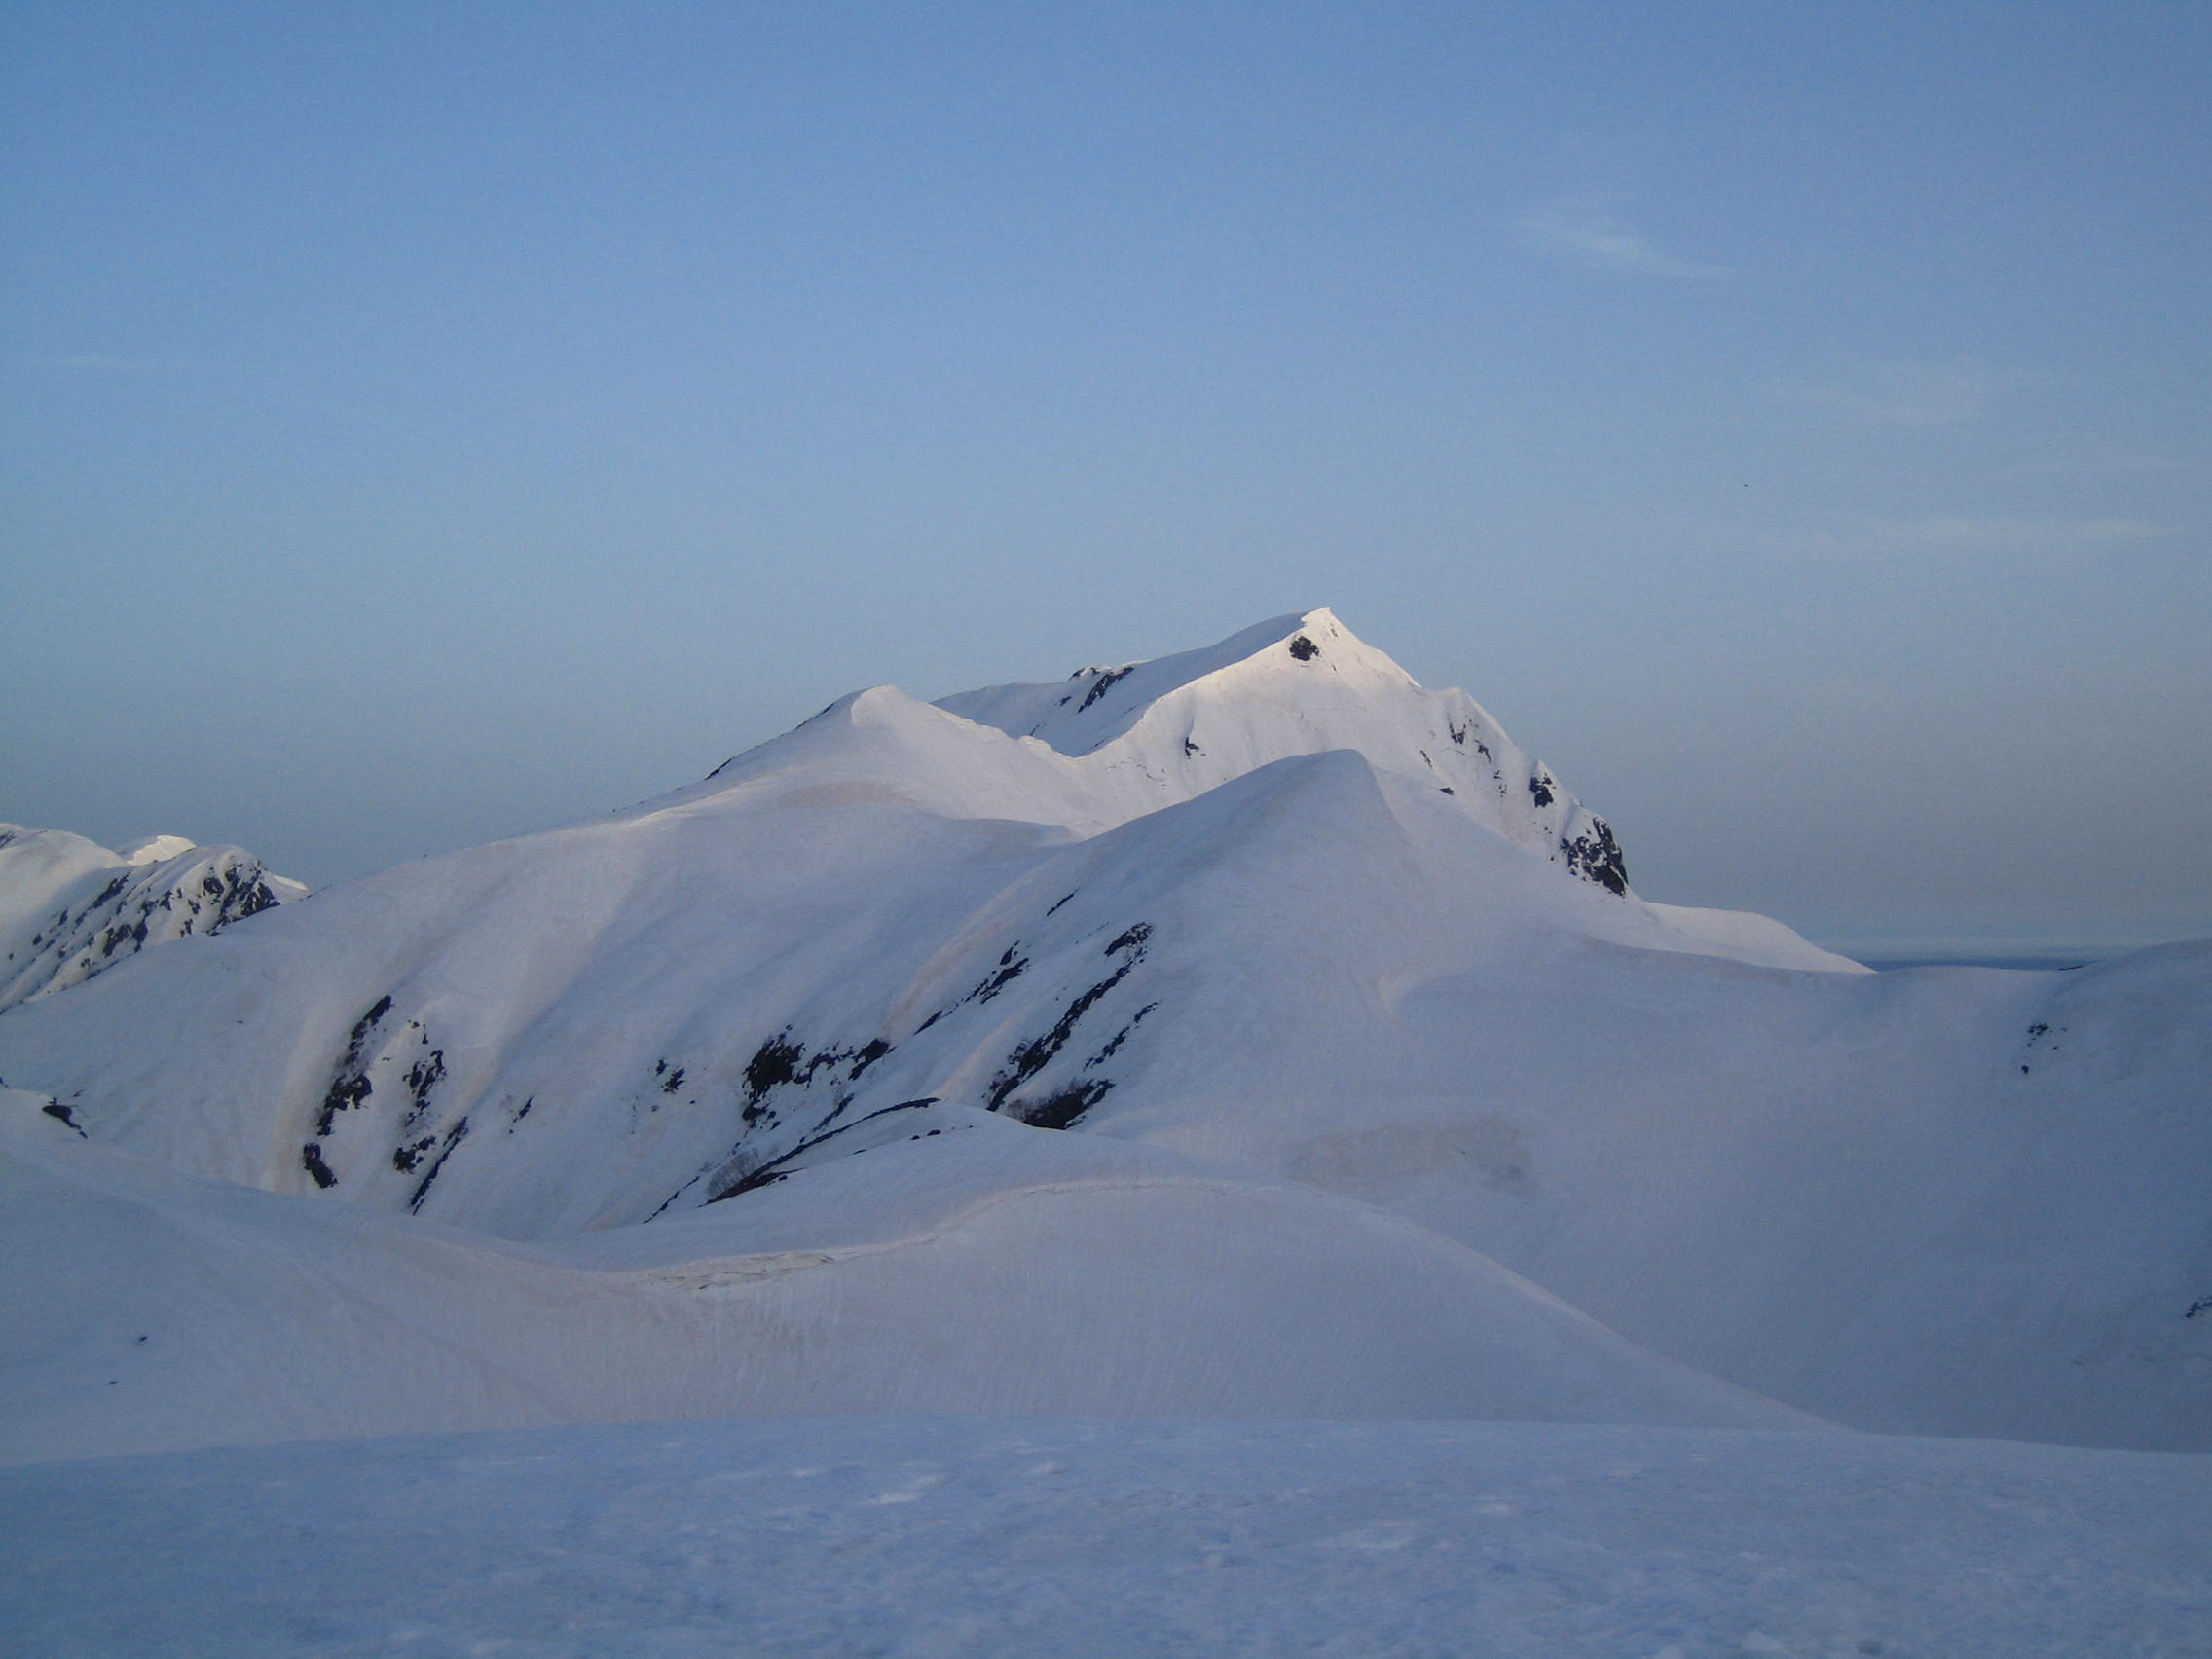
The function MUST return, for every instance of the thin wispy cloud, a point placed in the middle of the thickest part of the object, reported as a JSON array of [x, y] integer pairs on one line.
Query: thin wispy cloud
[[2093, 459], [94, 362], [1947, 533], [1943, 536], [1587, 231], [1910, 394]]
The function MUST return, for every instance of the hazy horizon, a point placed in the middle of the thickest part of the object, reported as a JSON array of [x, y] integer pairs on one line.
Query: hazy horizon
[[435, 423]]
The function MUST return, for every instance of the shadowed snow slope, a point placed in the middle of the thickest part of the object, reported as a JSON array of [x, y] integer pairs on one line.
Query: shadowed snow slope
[[981, 1267], [1268, 910]]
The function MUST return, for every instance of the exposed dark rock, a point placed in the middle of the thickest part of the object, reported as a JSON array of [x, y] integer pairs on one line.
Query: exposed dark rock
[[1114, 1041], [1030, 1057], [348, 1089], [454, 1137], [777, 1062], [773, 1169], [1133, 938], [1009, 970], [1596, 857], [1101, 686], [1059, 1111], [350, 1084], [1304, 649], [421, 1077]]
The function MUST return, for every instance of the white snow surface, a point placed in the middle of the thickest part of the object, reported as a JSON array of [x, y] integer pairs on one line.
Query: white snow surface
[[991, 1268], [933, 1537], [1253, 1033]]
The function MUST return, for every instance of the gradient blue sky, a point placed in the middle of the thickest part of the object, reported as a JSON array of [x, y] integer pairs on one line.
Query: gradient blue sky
[[425, 423]]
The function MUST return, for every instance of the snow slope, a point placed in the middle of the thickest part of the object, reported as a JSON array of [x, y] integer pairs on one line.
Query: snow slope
[[1271, 907], [820, 1539], [965, 1264], [71, 908]]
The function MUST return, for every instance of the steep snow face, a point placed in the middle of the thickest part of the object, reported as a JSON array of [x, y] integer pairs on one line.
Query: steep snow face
[[71, 908], [1169, 729]]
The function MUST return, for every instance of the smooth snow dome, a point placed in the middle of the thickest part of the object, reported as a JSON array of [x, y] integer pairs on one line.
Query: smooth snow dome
[[152, 849]]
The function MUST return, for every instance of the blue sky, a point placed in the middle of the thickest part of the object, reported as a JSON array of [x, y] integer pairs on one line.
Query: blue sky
[[424, 422]]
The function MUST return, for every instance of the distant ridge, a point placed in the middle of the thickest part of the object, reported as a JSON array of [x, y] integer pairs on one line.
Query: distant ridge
[[71, 908]]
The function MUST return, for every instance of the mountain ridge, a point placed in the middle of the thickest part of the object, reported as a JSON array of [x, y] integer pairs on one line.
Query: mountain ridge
[[71, 908], [767, 1004]]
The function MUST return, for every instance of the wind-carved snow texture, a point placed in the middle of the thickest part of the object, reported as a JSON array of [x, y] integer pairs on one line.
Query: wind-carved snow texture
[[1348, 1003], [70, 909]]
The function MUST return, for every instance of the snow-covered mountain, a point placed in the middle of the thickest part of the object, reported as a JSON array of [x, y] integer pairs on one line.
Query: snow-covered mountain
[[1294, 685], [71, 908], [749, 1098]]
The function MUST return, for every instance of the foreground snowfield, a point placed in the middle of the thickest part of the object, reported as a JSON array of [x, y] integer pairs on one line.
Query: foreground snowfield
[[913, 1536], [1186, 1048]]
